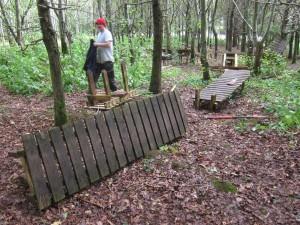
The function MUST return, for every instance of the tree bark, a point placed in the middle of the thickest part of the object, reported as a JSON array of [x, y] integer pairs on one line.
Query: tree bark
[[291, 41], [62, 29], [99, 6], [49, 38], [229, 35], [155, 84], [18, 24], [204, 61], [296, 47], [214, 28]]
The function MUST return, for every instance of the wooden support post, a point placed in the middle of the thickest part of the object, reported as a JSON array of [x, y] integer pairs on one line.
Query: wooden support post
[[197, 99], [106, 82], [243, 86], [125, 77], [91, 82], [224, 59], [236, 59], [213, 103]]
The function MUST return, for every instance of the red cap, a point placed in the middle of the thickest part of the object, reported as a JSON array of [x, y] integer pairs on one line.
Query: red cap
[[101, 21]]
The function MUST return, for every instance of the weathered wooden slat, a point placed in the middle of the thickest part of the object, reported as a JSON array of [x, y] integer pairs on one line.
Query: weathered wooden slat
[[147, 125], [107, 143], [171, 115], [51, 166], [116, 139], [177, 113], [181, 109], [160, 121], [139, 127], [76, 157], [153, 122], [124, 134], [132, 131], [64, 160], [39, 180], [165, 117], [87, 151], [97, 146]]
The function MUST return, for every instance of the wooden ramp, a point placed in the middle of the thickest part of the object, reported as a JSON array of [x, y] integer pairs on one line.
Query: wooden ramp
[[63, 161], [278, 45], [222, 88]]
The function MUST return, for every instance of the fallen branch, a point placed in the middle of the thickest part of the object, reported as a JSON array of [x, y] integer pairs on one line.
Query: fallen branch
[[229, 117]]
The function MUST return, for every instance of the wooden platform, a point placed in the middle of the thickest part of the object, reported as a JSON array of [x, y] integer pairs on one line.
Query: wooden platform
[[64, 161], [222, 88]]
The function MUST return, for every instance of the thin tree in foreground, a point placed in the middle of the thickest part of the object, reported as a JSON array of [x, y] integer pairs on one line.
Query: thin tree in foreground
[[155, 84], [49, 38], [204, 61]]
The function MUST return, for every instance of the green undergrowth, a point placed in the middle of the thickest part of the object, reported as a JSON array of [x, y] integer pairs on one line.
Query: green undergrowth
[[195, 79], [28, 73], [278, 90], [224, 186]]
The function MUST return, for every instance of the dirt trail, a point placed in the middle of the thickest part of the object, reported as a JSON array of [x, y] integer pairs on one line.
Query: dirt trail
[[180, 185]]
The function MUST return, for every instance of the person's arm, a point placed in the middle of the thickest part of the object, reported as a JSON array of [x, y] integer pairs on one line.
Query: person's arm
[[106, 44]]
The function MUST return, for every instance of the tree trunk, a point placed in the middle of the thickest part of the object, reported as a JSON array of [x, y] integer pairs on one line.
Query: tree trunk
[[214, 28], [230, 28], [258, 56], [18, 24], [99, 6], [62, 29], [296, 47], [291, 41], [155, 84], [187, 25], [285, 20], [49, 38], [204, 61]]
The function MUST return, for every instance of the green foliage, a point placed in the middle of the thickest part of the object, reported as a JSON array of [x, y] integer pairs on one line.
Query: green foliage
[[28, 72], [224, 186], [272, 64], [139, 72], [281, 98]]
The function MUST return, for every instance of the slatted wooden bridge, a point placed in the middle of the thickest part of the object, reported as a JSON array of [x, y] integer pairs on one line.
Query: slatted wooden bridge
[[221, 89], [63, 161]]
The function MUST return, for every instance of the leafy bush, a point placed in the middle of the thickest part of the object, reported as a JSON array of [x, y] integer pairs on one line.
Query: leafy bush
[[28, 72], [281, 97], [272, 64]]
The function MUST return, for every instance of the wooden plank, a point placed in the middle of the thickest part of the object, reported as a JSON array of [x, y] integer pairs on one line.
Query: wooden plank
[[116, 139], [153, 122], [34, 163], [76, 157], [107, 143], [171, 115], [147, 125], [181, 109], [124, 76], [132, 131], [64, 160], [165, 117], [124, 134], [86, 150], [139, 127], [177, 113], [160, 121], [51, 166], [97, 146]]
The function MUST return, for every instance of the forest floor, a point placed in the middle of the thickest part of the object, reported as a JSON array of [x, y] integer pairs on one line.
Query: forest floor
[[222, 172]]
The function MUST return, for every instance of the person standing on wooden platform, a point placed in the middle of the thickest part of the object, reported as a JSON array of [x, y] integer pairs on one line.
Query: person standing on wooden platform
[[105, 58]]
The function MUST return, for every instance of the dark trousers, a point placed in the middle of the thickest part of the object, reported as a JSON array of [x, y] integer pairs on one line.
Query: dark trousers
[[109, 67]]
